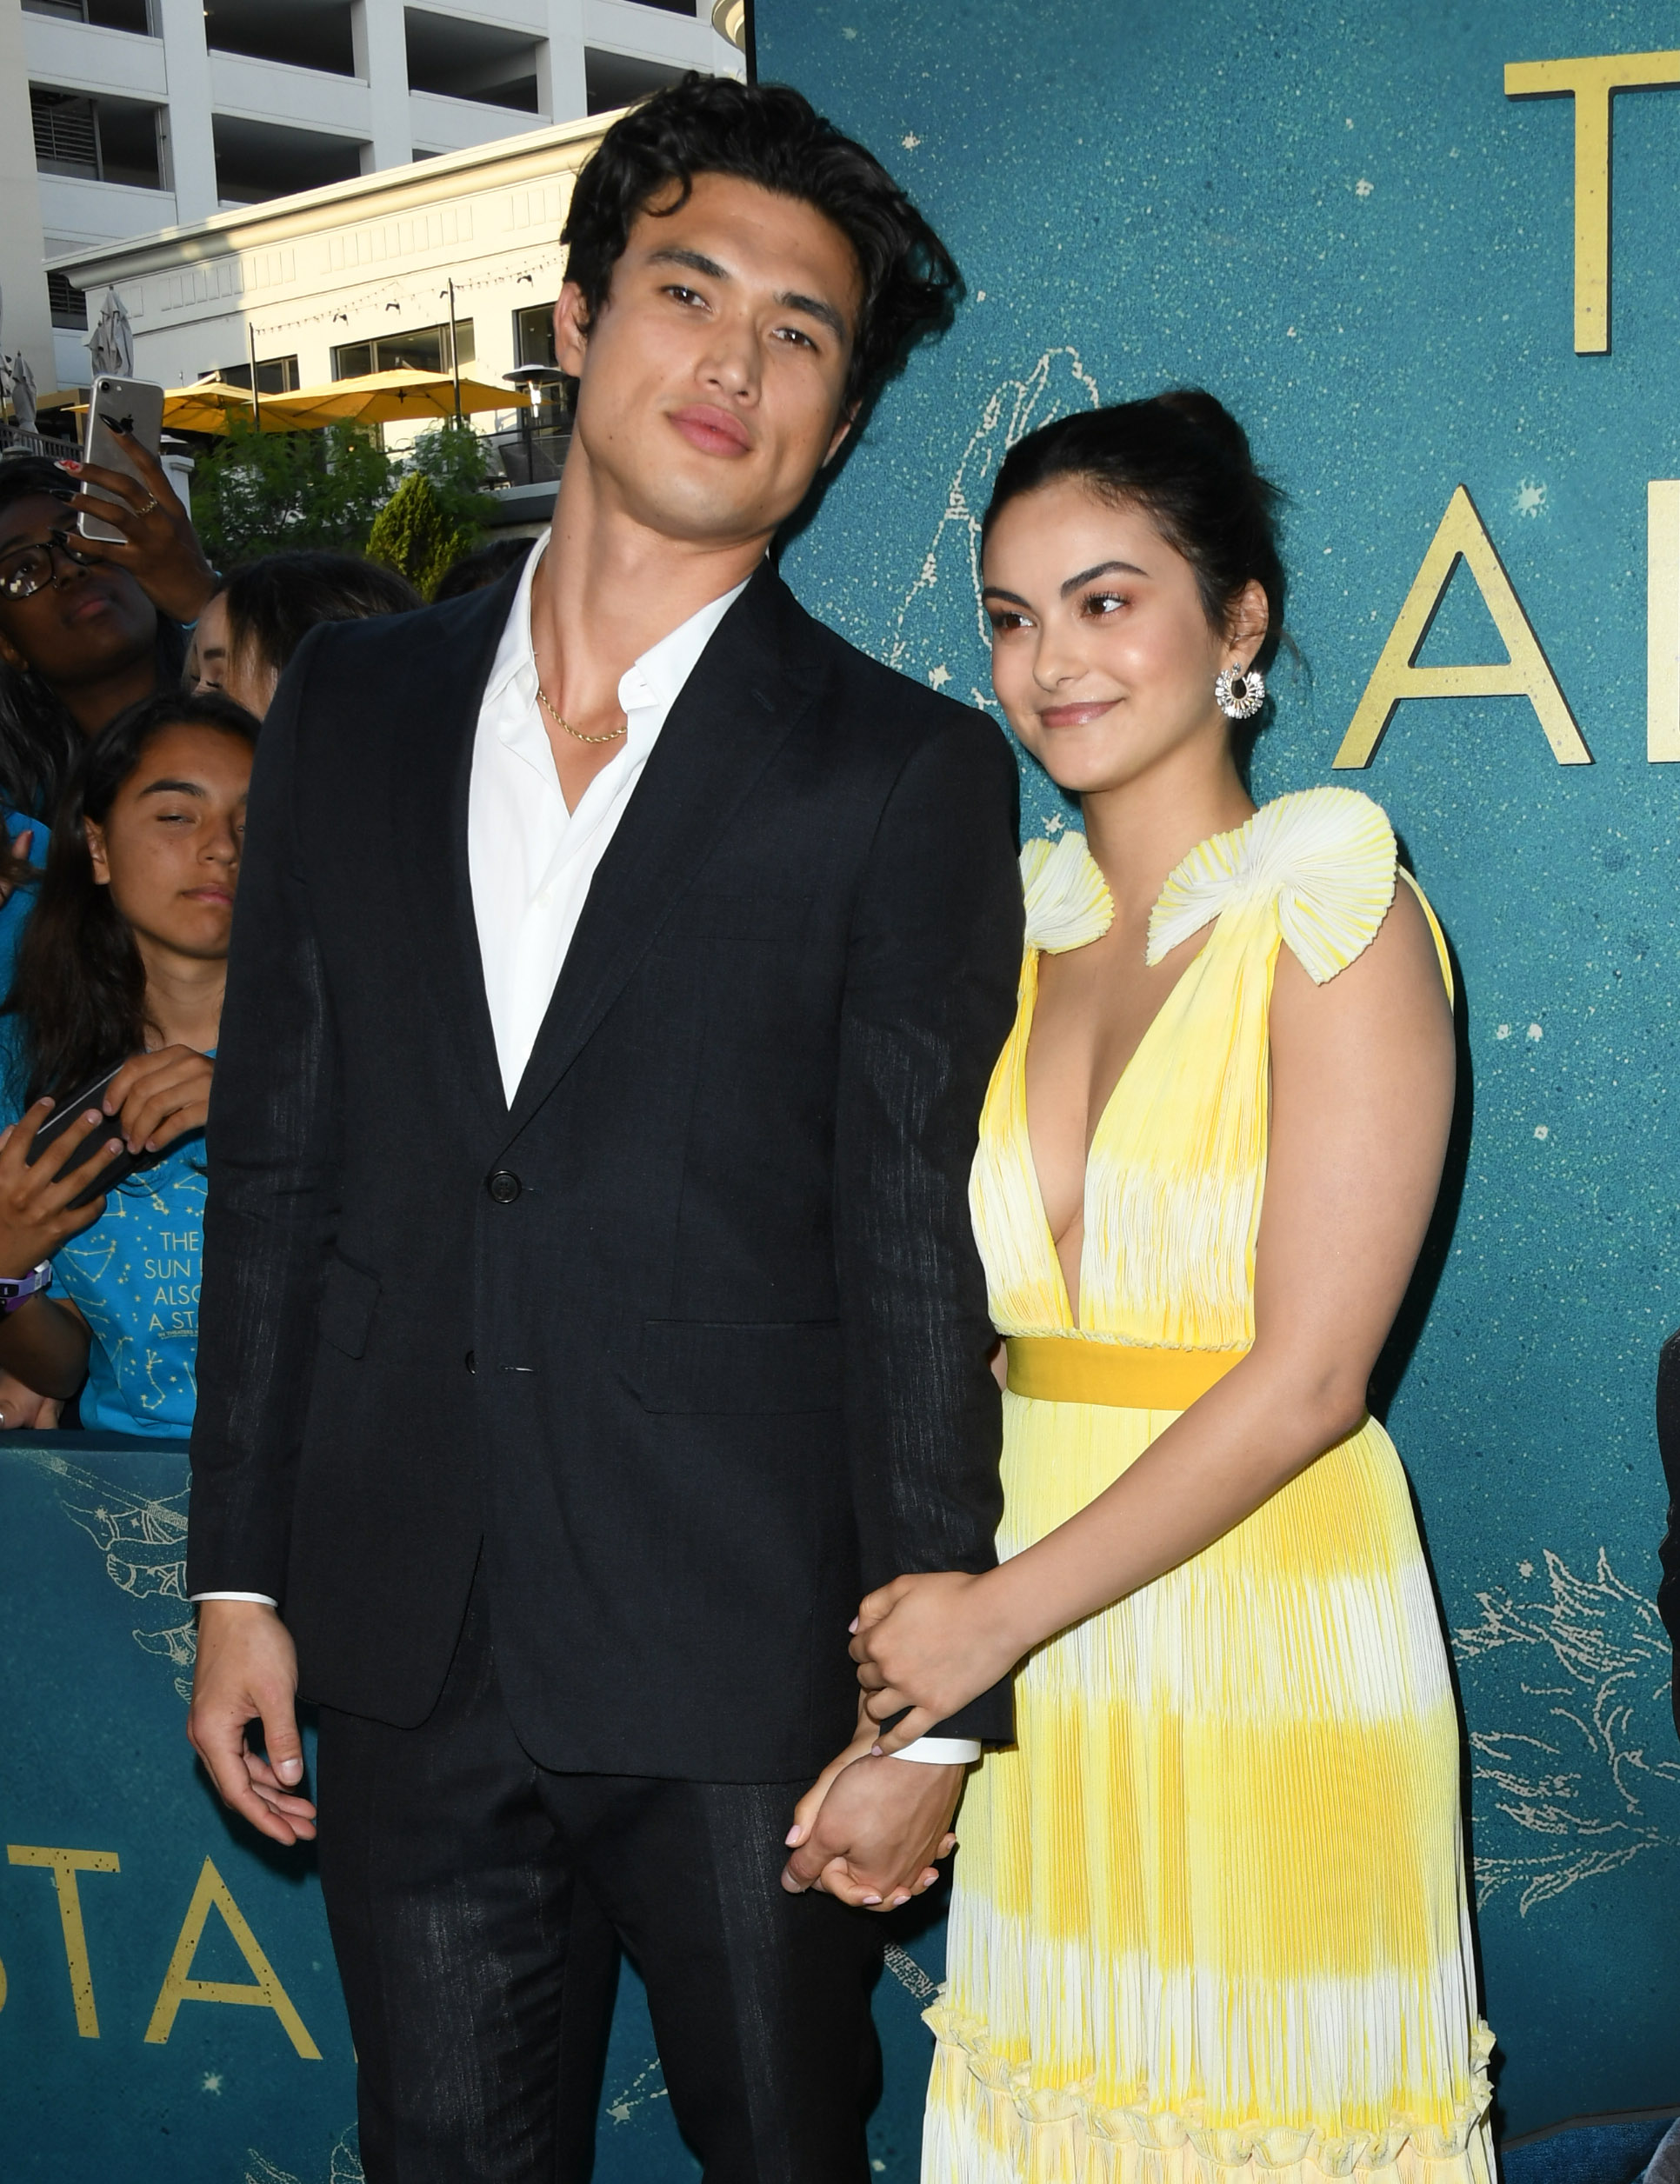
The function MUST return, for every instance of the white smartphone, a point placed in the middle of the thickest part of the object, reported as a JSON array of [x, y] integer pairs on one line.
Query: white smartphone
[[121, 410]]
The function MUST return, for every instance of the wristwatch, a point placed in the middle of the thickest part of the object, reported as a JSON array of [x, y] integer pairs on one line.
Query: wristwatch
[[14, 1287]]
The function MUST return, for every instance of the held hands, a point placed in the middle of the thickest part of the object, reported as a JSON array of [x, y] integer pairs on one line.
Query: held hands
[[931, 1643], [869, 1828], [246, 1674], [36, 1214], [160, 1096], [159, 548]]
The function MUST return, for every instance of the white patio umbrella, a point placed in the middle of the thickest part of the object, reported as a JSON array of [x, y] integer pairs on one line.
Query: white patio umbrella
[[111, 345]]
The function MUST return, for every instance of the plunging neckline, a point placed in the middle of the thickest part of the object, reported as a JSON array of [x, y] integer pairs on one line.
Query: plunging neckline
[[1075, 1318]]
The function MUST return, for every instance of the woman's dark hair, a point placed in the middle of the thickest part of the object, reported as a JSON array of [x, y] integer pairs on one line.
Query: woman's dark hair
[[476, 571], [1185, 460], [40, 742], [79, 989], [275, 602], [767, 133]]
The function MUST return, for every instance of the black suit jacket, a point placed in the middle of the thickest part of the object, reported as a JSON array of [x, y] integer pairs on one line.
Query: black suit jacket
[[1668, 1442], [691, 1344]]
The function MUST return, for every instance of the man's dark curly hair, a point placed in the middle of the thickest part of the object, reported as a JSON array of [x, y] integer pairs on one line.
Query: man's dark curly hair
[[765, 133]]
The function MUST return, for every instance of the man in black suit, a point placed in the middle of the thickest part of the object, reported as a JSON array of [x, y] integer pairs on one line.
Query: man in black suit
[[591, 1312]]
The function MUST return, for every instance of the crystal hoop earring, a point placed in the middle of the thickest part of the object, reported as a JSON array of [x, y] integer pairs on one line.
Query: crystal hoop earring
[[1239, 692]]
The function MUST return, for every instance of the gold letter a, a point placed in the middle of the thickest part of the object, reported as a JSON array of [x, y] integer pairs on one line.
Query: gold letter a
[[1462, 538], [267, 1994]]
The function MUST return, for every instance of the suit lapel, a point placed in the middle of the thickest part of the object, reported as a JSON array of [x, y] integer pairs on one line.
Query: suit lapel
[[432, 775], [736, 710]]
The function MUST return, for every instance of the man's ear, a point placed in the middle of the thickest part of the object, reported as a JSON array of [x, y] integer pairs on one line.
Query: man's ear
[[842, 432], [96, 835], [570, 330]]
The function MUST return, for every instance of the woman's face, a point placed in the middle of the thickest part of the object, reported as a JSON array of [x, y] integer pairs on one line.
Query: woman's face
[[240, 676], [169, 849], [87, 624], [1103, 655]]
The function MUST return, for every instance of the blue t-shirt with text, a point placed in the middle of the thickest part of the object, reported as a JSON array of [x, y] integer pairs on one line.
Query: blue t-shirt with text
[[135, 1278]]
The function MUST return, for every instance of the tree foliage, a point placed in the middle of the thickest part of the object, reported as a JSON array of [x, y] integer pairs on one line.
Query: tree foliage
[[273, 492], [413, 534], [452, 460]]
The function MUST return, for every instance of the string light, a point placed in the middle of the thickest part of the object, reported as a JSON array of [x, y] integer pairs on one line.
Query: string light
[[407, 298]]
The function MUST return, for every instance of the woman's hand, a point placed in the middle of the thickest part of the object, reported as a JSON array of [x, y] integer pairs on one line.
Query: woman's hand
[[22, 843], [159, 548], [24, 1408], [835, 1879], [36, 1214], [160, 1096], [931, 1643]]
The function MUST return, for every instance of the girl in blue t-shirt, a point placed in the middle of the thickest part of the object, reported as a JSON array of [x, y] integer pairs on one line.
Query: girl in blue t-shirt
[[124, 961]]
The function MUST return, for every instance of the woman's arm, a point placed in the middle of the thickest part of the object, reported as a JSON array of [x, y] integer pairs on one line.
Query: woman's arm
[[1362, 1073], [42, 1341], [45, 1343]]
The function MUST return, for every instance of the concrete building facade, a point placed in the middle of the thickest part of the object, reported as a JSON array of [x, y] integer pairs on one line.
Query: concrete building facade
[[356, 276], [156, 115]]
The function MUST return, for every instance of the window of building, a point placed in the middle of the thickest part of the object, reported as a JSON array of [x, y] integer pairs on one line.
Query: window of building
[[671, 7], [453, 58], [275, 375], [312, 34], [254, 160], [66, 133], [108, 14], [421, 348], [95, 139], [617, 79], [66, 302], [533, 335]]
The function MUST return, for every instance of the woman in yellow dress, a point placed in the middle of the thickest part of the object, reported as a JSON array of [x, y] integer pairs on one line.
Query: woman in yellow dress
[[1209, 1919]]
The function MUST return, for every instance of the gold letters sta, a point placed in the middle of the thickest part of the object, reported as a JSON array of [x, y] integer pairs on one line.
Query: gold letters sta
[[1462, 536]]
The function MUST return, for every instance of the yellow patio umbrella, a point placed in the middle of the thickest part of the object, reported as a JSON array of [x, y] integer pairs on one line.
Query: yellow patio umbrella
[[380, 397], [206, 406]]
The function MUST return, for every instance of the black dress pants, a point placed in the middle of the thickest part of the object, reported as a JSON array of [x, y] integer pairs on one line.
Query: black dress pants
[[475, 1900]]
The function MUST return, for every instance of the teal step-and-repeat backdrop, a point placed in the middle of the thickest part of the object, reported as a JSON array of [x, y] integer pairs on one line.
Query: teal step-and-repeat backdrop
[[1405, 269], [1387, 237]]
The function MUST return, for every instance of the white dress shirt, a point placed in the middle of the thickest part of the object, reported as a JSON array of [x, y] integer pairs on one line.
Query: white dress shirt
[[531, 859]]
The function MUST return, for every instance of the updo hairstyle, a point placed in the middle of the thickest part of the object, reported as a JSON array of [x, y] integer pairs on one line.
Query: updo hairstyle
[[1184, 459]]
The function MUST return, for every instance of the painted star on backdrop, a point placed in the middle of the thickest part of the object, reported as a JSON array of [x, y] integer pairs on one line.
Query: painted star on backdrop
[[910, 142], [939, 676]]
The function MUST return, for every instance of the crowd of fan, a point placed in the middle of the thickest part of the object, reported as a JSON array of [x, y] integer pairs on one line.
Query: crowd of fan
[[133, 683]]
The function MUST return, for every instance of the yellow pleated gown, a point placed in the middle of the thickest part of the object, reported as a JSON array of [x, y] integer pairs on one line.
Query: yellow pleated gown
[[1210, 1923]]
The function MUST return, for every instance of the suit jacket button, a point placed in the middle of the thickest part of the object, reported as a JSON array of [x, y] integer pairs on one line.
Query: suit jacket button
[[504, 1187], [471, 1361]]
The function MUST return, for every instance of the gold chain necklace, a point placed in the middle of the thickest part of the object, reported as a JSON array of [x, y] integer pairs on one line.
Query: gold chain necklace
[[577, 735]]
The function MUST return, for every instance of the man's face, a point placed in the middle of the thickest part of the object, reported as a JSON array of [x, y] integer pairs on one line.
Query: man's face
[[713, 379]]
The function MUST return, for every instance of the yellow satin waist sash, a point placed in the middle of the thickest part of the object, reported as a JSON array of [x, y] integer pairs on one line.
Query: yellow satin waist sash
[[1065, 1368]]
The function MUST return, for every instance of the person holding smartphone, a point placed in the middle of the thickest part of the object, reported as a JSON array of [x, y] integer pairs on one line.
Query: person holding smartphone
[[123, 964]]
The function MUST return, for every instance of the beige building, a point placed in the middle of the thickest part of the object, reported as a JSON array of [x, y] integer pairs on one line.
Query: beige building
[[121, 118], [356, 277]]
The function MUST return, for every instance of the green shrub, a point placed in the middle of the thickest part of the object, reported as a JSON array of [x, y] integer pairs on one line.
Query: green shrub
[[274, 492], [413, 534]]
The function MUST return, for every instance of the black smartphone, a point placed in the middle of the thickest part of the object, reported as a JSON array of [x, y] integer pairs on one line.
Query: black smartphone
[[93, 1147]]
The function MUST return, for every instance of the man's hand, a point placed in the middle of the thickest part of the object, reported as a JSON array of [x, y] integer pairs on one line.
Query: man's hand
[[248, 1672], [880, 1827]]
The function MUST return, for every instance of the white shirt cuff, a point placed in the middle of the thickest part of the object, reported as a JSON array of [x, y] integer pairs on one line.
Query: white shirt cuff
[[941, 1751], [261, 1599]]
